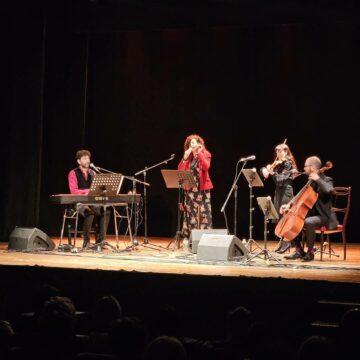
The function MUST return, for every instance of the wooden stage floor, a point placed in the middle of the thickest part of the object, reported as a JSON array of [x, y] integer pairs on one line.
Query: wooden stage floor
[[160, 260]]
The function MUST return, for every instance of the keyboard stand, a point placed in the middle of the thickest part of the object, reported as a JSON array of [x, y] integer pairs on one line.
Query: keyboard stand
[[117, 216]]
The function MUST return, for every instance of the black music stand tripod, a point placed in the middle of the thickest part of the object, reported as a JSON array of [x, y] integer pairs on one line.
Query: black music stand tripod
[[269, 211], [178, 179], [254, 180], [104, 185], [115, 190]]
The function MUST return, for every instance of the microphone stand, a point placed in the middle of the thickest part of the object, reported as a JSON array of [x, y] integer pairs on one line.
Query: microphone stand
[[134, 191], [105, 170], [234, 188], [144, 171]]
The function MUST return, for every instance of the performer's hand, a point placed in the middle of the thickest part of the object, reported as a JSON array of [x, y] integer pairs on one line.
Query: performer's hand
[[314, 176], [265, 172], [197, 149], [284, 208], [187, 153], [268, 168], [181, 207]]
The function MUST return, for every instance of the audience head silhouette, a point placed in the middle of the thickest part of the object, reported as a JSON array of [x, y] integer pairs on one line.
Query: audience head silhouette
[[165, 348]]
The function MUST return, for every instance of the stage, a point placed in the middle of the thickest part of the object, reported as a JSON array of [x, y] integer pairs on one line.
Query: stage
[[159, 258]]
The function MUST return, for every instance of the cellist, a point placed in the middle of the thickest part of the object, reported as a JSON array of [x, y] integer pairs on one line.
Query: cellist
[[321, 213]]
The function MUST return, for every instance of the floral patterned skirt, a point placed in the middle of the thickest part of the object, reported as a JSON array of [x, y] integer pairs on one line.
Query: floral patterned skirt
[[197, 211]]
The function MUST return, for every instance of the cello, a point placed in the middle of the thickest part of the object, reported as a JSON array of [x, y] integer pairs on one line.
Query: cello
[[292, 222]]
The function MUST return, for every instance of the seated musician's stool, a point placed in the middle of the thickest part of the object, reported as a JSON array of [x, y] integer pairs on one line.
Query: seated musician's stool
[[72, 214]]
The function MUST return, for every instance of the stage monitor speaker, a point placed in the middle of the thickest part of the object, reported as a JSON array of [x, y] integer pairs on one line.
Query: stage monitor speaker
[[196, 235], [221, 247], [23, 238]]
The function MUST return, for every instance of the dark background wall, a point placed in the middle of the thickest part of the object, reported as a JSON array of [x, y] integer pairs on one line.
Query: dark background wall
[[130, 80]]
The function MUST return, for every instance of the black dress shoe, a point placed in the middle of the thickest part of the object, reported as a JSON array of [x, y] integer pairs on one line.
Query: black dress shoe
[[100, 244], [295, 256], [284, 247], [278, 246], [308, 257]]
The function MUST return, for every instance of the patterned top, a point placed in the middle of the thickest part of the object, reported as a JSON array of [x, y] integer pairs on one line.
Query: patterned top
[[194, 167]]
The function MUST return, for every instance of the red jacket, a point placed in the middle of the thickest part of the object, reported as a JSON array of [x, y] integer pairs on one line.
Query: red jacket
[[204, 166]]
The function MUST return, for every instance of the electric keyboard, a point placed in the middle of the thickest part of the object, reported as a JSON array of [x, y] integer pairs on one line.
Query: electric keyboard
[[68, 199]]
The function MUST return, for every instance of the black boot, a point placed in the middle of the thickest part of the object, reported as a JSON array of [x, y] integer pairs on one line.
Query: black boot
[[86, 243], [284, 247], [278, 246]]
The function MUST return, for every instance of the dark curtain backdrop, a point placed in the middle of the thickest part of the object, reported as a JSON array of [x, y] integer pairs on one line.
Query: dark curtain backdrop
[[131, 96]]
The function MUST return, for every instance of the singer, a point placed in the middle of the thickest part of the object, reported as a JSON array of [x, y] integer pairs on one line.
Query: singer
[[282, 170], [197, 201], [80, 180]]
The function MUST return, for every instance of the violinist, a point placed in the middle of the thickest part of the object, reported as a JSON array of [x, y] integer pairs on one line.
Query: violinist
[[321, 213], [282, 171]]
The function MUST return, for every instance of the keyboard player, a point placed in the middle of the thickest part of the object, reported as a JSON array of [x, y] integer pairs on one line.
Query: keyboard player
[[80, 180]]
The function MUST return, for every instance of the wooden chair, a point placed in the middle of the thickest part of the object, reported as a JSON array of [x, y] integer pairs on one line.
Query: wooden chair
[[341, 206]]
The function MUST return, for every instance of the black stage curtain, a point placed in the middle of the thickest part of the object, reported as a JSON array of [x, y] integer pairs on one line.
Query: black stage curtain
[[132, 94]]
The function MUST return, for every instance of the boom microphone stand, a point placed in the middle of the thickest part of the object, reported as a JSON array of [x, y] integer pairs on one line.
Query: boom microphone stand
[[144, 171], [234, 188], [135, 242]]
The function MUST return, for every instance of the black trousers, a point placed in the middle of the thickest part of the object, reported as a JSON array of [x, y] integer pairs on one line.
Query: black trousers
[[89, 212], [310, 225]]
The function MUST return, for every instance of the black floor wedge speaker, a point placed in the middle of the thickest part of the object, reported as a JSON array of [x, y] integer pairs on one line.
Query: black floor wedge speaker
[[196, 235], [222, 248], [23, 238]]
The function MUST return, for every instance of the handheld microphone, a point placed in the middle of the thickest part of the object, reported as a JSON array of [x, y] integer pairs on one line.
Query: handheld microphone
[[251, 157], [95, 168]]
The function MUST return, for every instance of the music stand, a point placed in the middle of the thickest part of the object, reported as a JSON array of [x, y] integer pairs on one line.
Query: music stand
[[104, 185], [254, 180], [269, 211], [178, 179]]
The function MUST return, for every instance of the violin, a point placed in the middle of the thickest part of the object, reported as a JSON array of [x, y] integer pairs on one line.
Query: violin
[[265, 170], [277, 163]]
